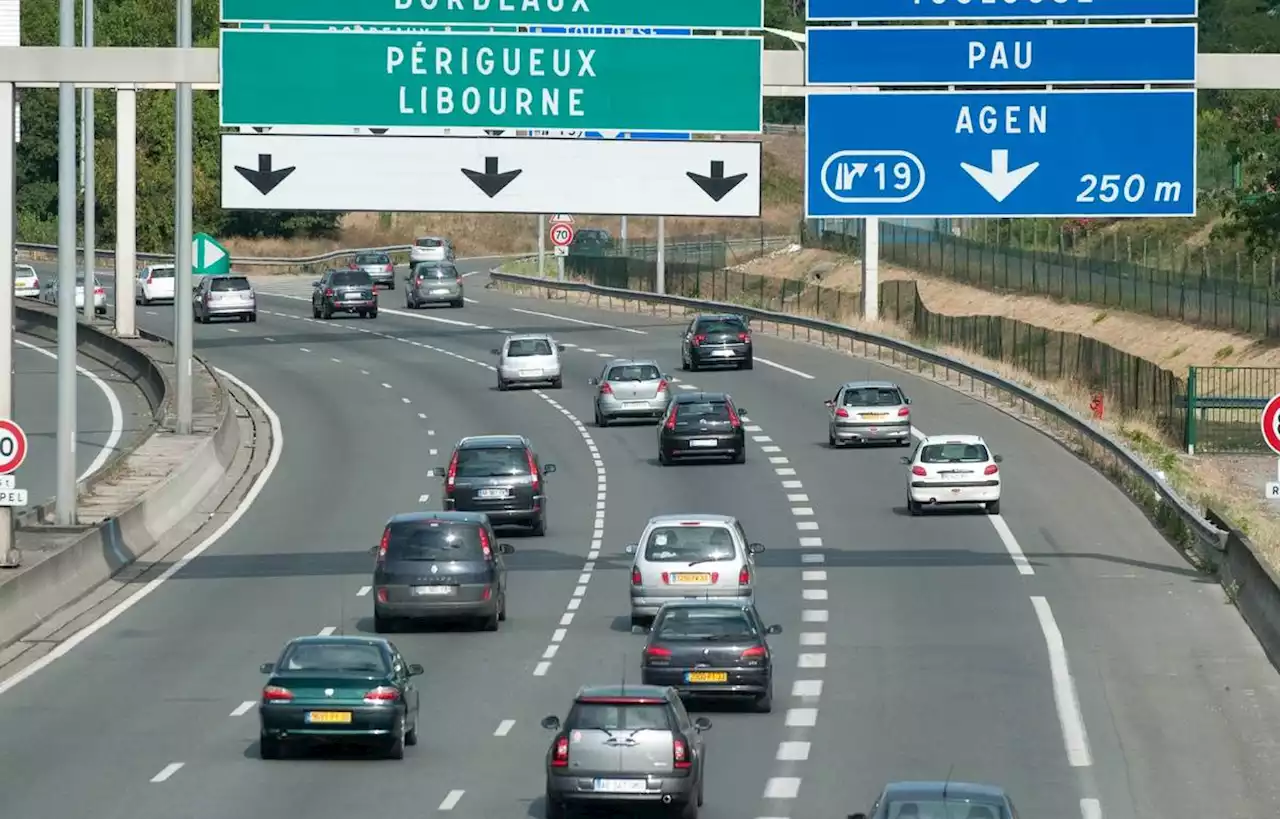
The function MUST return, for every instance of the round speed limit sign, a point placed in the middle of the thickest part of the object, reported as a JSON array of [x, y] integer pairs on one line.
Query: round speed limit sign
[[1271, 424], [561, 234], [13, 446]]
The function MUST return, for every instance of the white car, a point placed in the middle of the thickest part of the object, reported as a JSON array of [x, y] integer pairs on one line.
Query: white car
[[25, 281], [154, 283], [952, 469], [49, 293], [529, 359], [431, 249]]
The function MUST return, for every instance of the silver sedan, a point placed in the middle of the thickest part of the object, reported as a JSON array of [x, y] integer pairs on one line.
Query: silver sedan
[[629, 389]]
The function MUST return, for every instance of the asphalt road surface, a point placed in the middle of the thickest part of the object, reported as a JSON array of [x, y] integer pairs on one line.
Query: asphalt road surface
[[1062, 650]]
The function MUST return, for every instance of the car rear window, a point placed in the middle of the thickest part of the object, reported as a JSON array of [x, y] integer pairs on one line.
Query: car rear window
[[722, 325], [599, 716], [687, 544], [634, 372], [161, 272], [437, 272], [495, 462], [692, 413], [688, 623], [429, 242], [352, 277], [372, 258], [953, 454], [872, 397], [329, 657], [950, 809], [24, 270], [224, 284], [527, 347], [434, 540]]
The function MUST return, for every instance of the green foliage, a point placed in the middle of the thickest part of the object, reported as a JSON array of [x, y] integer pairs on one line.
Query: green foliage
[[135, 23]]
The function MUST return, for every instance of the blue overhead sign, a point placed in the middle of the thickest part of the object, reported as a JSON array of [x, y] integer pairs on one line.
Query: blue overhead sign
[[1001, 55], [1053, 154], [886, 10]]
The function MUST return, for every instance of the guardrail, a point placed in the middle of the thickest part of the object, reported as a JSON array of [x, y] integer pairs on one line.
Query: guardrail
[[34, 248], [1187, 526]]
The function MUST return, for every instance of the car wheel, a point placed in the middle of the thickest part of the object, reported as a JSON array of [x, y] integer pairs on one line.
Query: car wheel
[[748, 364], [739, 457], [408, 304], [993, 508], [502, 385], [315, 311], [270, 747], [689, 810], [831, 440], [411, 736], [373, 314], [663, 458], [914, 508], [395, 750], [554, 808], [457, 304], [383, 625], [601, 419], [253, 317], [764, 704], [146, 302], [693, 363], [557, 383], [502, 608], [326, 312], [540, 525], [489, 623]]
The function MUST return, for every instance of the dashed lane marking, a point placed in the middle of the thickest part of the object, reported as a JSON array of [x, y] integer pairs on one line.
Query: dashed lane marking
[[451, 801], [167, 771], [504, 728], [243, 708]]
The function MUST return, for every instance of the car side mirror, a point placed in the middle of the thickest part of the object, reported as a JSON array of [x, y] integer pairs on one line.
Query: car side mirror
[[373, 550], [666, 376], [906, 400], [775, 629], [548, 469], [593, 382], [905, 460], [315, 283], [506, 549], [755, 548], [702, 724], [630, 549], [828, 403], [998, 458], [857, 816], [560, 348], [416, 670], [551, 723], [267, 668], [743, 410], [495, 351]]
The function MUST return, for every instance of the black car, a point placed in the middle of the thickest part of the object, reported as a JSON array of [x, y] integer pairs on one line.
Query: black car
[[344, 291], [716, 341], [500, 476], [439, 565], [339, 689], [702, 425], [705, 648], [591, 242], [963, 800]]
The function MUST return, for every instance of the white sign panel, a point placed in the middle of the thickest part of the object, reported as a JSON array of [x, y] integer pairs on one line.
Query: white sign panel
[[10, 23], [13, 497], [479, 175], [408, 130]]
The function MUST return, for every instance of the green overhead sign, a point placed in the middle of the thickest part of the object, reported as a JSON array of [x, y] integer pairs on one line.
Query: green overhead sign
[[208, 258], [273, 78], [704, 14]]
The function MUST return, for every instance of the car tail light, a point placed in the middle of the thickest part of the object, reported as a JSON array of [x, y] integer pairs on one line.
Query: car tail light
[[328, 291], [662, 385], [98, 291], [148, 278], [918, 470], [486, 594], [533, 470], [903, 412], [991, 469], [382, 594], [671, 422], [391, 269], [680, 754], [484, 544], [744, 338], [636, 580], [754, 653], [560, 756], [657, 652], [382, 544], [744, 576], [734, 421], [452, 477], [383, 693], [698, 339], [666, 578], [715, 577], [274, 693], [842, 413], [605, 389]]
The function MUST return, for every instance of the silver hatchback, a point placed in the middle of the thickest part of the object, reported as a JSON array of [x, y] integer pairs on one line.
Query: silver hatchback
[[629, 389], [690, 557], [869, 411], [433, 283]]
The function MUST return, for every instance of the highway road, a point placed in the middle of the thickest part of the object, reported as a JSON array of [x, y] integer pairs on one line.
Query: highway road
[[112, 414], [1062, 650]]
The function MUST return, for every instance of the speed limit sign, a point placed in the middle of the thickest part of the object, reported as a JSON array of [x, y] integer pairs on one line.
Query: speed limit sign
[[13, 446], [1271, 424], [561, 234]]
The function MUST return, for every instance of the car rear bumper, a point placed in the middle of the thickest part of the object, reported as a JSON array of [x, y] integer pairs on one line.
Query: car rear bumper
[[26, 292], [353, 306], [581, 789], [721, 355], [382, 277], [230, 310], [742, 682], [516, 377], [427, 297], [444, 609], [684, 448], [872, 432], [291, 720], [954, 494], [497, 516], [646, 602], [641, 408]]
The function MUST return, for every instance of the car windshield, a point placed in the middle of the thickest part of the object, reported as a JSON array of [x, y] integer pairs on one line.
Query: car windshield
[[524, 347], [634, 372], [429, 242], [600, 716], [689, 544], [697, 412], [437, 272], [329, 657], [495, 462], [434, 540], [593, 235], [352, 278], [872, 397], [161, 272], [372, 258], [953, 453], [724, 325], [949, 809], [229, 283], [689, 623]]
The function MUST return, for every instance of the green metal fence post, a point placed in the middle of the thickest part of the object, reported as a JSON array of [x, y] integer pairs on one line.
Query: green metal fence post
[[1191, 411]]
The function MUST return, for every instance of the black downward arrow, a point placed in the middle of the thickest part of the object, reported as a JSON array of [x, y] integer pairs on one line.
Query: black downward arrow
[[377, 131], [491, 182], [717, 185], [264, 178]]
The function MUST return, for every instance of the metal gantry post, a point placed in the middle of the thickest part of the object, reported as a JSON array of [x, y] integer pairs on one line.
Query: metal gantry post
[[542, 244], [871, 269], [182, 233], [660, 286], [126, 210], [8, 555], [65, 506], [88, 140]]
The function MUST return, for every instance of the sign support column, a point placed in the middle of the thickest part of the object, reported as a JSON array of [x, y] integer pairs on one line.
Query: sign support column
[[87, 135], [67, 263], [9, 557], [542, 245], [660, 284], [126, 209], [871, 269], [182, 234]]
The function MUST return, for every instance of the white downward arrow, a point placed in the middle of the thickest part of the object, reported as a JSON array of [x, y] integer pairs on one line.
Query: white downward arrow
[[1000, 181]]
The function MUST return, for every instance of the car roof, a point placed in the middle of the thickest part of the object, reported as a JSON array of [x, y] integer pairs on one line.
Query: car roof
[[705, 603], [159, 267], [622, 690], [700, 397], [492, 441], [924, 790], [444, 517], [437, 238], [349, 639], [631, 362], [529, 337], [719, 316], [876, 385], [953, 439], [661, 520]]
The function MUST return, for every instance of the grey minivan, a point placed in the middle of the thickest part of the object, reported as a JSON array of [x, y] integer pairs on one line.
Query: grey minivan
[[439, 565], [433, 283], [500, 476]]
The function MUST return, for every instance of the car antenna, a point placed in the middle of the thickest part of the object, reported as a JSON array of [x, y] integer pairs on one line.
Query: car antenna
[[947, 782]]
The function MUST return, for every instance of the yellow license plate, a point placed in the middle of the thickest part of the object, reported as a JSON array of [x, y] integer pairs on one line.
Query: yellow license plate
[[329, 717], [708, 676], [693, 578], [874, 414]]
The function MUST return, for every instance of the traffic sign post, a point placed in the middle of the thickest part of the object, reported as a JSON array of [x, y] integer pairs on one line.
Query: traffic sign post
[[890, 10], [561, 234], [208, 257], [1271, 435], [13, 451], [561, 237]]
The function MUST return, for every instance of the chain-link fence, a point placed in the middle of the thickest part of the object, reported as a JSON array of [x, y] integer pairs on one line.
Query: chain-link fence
[[633, 266], [1223, 407]]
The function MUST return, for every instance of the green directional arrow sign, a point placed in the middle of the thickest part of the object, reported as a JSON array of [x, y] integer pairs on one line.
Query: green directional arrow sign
[[208, 258]]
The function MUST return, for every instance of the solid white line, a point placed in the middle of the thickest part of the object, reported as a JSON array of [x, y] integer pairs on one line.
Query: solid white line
[[1064, 688], [1011, 545], [273, 460], [1090, 809], [243, 708], [167, 771], [451, 801], [783, 367], [581, 321], [504, 727], [113, 403], [327, 631]]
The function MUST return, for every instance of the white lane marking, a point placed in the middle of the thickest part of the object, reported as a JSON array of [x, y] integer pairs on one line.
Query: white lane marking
[[782, 787], [273, 460], [422, 415], [799, 497], [814, 616], [761, 439], [113, 404], [423, 498], [771, 448], [336, 360], [232, 330], [792, 751], [540, 670], [587, 349], [504, 727], [801, 717], [1090, 809], [685, 387], [807, 688], [327, 631], [168, 771], [243, 708], [777, 459], [818, 660], [364, 372], [605, 355], [431, 432], [385, 385], [792, 485], [802, 511], [364, 591], [433, 452], [451, 801], [813, 638], [470, 300], [814, 594], [580, 321], [811, 542], [404, 400], [154, 313], [814, 576], [304, 349], [550, 651], [1011, 545], [783, 367], [807, 525], [752, 428], [1064, 688], [784, 470]]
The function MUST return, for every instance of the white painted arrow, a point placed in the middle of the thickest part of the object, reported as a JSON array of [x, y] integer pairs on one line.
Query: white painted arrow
[[1000, 181]]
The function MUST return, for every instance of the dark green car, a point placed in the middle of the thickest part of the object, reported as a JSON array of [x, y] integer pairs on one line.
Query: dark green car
[[339, 689]]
